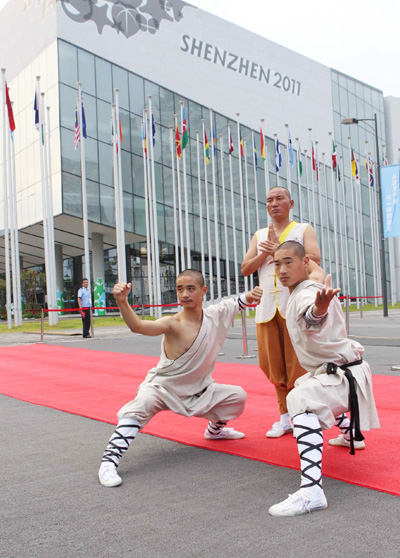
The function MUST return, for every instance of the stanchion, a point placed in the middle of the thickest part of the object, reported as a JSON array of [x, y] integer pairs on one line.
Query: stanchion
[[347, 315], [42, 326], [142, 306], [361, 307], [244, 333], [91, 323]]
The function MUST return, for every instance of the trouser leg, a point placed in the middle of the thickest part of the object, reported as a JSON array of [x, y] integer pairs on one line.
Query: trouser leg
[[308, 433], [120, 440]]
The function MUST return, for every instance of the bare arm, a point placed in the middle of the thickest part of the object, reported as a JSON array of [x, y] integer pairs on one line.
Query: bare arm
[[135, 324], [311, 245], [316, 272]]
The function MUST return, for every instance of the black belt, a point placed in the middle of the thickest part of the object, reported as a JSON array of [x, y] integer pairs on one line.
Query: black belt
[[353, 400]]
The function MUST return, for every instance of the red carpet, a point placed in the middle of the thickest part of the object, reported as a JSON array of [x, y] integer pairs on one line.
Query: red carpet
[[96, 384]]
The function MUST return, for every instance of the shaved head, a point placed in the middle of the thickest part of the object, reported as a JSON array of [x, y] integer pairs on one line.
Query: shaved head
[[197, 275], [298, 249], [281, 188]]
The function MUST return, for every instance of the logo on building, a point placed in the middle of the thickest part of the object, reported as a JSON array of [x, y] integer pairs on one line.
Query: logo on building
[[125, 16]]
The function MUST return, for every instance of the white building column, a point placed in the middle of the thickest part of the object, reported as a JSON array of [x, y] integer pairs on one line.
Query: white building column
[[99, 299]]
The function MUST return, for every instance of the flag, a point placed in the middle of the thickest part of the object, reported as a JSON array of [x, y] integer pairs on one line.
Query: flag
[[77, 137], [368, 166], [262, 145], [278, 156], [314, 166], [334, 156], [230, 144], [214, 140], [84, 121], [185, 136], [178, 143], [153, 128], [38, 127], [300, 162], [241, 148], [338, 173], [385, 161], [120, 129], [10, 111], [255, 153], [144, 138], [291, 157], [207, 147], [354, 168]]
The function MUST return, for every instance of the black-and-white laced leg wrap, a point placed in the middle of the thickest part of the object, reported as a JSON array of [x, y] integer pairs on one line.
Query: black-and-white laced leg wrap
[[343, 423], [308, 433], [215, 428], [120, 441]]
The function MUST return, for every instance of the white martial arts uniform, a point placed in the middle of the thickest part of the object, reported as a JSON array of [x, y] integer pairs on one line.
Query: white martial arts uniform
[[185, 385], [326, 395]]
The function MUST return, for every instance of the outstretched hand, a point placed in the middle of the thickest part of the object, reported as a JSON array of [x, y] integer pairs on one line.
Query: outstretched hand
[[254, 296], [121, 291], [324, 296]]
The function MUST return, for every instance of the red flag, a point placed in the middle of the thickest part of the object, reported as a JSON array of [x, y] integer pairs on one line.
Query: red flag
[[230, 144], [262, 144], [10, 111], [314, 166], [178, 143], [241, 148]]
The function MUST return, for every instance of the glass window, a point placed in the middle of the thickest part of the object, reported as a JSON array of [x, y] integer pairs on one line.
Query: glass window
[[93, 201], [67, 63], [104, 121], [167, 107], [107, 205], [120, 82], [86, 72], [136, 94], [161, 222], [126, 171], [90, 108], [136, 134], [106, 164], [139, 216], [103, 80], [344, 105], [152, 89], [92, 160], [128, 212], [68, 97], [137, 175], [70, 157], [126, 129], [72, 194]]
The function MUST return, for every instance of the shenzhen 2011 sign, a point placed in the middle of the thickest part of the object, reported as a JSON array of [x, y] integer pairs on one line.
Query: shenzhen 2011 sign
[[125, 16]]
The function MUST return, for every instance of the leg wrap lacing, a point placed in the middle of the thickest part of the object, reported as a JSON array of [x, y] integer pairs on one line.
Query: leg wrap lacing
[[309, 442], [216, 427], [343, 423], [120, 440]]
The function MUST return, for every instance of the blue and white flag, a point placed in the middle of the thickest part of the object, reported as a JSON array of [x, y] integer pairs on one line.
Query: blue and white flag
[[291, 156], [278, 156], [390, 183]]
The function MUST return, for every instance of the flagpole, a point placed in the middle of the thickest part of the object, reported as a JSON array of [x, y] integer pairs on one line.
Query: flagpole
[[188, 252], [146, 209], [360, 231], [6, 230], [44, 201], [210, 261], [247, 201], [84, 194], [266, 173], [155, 222], [216, 226], [327, 217], [10, 205], [246, 280], [323, 258], [178, 177], [367, 158], [51, 213], [227, 260], [333, 186], [253, 140], [353, 220], [18, 302], [235, 258], [307, 187], [288, 172], [150, 261], [298, 155], [345, 230], [312, 179], [203, 266], [121, 219], [171, 143], [277, 157], [376, 230], [117, 201]]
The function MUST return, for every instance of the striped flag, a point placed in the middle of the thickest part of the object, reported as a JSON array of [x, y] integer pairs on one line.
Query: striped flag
[[77, 137], [255, 153], [354, 168], [144, 138], [10, 110], [214, 141], [230, 144], [241, 148], [263, 156], [278, 156], [207, 147]]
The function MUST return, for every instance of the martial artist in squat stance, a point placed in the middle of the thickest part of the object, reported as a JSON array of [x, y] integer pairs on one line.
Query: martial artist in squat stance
[[181, 381], [337, 379]]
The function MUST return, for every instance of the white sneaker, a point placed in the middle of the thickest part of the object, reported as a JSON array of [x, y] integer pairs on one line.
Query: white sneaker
[[108, 475], [297, 504], [345, 443], [225, 434], [279, 429]]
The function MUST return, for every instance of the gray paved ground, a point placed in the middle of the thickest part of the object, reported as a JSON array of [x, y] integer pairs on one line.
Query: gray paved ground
[[176, 501]]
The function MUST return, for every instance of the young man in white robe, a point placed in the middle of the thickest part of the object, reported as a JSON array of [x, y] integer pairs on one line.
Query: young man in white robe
[[337, 379], [182, 381]]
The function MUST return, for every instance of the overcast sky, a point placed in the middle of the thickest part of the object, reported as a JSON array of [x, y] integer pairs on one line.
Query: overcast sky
[[358, 37]]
